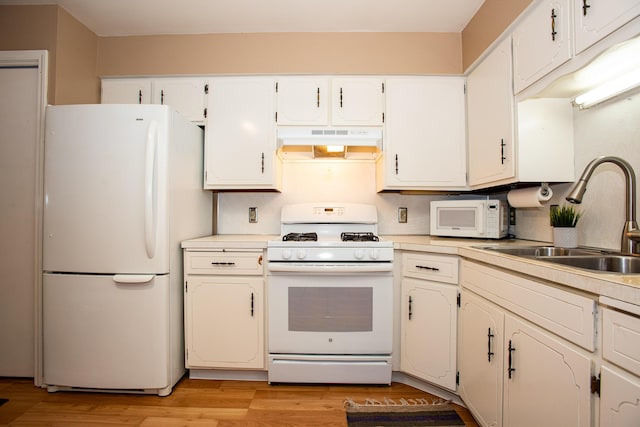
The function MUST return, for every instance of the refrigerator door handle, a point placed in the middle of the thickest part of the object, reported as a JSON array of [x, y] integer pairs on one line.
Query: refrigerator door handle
[[150, 190], [133, 278]]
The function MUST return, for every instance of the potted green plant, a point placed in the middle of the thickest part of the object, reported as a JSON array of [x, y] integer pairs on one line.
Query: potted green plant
[[564, 220]]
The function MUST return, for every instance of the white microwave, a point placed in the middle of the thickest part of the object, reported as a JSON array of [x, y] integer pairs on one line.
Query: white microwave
[[485, 219]]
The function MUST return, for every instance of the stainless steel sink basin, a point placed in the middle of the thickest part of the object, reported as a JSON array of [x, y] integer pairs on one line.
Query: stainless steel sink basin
[[585, 258], [542, 251], [621, 264]]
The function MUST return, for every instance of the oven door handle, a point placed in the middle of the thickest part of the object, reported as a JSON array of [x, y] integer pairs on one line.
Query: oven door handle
[[311, 267]]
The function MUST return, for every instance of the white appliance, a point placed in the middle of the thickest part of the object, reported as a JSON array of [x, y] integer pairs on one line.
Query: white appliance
[[486, 218], [330, 296], [123, 187]]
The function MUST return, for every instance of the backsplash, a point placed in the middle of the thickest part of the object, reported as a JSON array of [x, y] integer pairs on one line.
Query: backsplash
[[612, 128], [323, 181]]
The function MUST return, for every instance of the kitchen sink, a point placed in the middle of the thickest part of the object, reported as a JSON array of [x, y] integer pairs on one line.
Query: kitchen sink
[[621, 264], [542, 251], [585, 258]]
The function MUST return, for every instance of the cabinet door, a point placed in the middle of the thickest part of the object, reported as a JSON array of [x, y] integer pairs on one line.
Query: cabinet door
[[541, 42], [424, 134], [595, 19], [303, 101], [126, 91], [357, 101], [223, 322], [186, 95], [546, 382], [490, 119], [240, 148], [620, 399], [429, 312], [480, 362]]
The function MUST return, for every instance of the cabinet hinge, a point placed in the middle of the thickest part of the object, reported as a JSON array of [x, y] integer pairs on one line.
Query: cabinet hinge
[[276, 117], [595, 384], [186, 286], [206, 89], [464, 89], [458, 299], [276, 87], [382, 117], [205, 113], [458, 378], [382, 87]]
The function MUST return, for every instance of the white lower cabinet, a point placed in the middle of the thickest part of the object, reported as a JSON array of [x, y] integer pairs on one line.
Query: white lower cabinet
[[481, 335], [224, 310], [513, 372], [429, 318], [620, 375]]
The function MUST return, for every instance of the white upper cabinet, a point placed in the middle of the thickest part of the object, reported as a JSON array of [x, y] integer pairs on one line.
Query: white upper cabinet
[[541, 42], [187, 95], [303, 101], [323, 101], [425, 139], [595, 19], [240, 141], [126, 91], [357, 101], [490, 110]]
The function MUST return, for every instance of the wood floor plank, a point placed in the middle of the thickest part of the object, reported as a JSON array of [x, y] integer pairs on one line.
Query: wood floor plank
[[196, 403]]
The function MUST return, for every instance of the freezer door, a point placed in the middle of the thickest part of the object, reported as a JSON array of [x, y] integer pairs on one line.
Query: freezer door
[[105, 207], [99, 333]]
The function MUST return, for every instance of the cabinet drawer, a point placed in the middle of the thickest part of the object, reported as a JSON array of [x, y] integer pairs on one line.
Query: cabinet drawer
[[440, 268], [223, 263], [566, 314], [621, 339]]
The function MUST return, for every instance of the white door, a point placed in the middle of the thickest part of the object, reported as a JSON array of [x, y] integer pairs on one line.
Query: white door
[[223, 321], [19, 154], [126, 91], [594, 19], [480, 358], [105, 189], [186, 95], [357, 101], [620, 399], [429, 314], [546, 382], [99, 333], [303, 101]]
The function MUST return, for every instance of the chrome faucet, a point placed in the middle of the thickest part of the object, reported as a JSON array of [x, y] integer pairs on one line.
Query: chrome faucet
[[630, 242]]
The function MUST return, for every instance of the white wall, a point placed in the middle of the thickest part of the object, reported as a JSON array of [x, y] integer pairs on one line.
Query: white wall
[[322, 181], [612, 128]]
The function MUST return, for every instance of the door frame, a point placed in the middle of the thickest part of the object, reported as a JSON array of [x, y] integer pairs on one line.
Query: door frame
[[39, 59]]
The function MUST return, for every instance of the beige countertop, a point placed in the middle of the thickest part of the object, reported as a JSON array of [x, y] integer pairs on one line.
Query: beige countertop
[[619, 287]]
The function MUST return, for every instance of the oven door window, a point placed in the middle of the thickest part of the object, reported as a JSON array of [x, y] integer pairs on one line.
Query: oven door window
[[330, 309]]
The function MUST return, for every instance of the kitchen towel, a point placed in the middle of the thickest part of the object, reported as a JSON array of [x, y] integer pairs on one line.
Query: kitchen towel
[[534, 197]]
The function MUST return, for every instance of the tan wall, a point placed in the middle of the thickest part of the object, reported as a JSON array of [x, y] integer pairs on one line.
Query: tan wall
[[31, 28], [77, 55], [493, 17], [274, 53]]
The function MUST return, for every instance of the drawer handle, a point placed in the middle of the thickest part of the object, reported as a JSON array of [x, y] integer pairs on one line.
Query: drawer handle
[[223, 264], [410, 307], [260, 260], [252, 304], [489, 352], [511, 368], [424, 267]]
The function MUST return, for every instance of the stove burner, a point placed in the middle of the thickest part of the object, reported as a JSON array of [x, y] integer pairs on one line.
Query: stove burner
[[358, 237], [300, 237]]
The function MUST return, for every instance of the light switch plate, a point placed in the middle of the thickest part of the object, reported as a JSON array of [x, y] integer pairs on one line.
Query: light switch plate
[[253, 215], [402, 215]]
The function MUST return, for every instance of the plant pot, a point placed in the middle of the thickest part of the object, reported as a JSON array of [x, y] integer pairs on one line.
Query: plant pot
[[565, 237]]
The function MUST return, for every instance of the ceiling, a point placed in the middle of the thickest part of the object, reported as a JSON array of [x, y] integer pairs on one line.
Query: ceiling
[[147, 17]]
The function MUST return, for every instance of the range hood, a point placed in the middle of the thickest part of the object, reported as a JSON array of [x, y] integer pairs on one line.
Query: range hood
[[297, 142]]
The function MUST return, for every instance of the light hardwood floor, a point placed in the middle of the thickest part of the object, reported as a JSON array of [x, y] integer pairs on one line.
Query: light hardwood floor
[[195, 403]]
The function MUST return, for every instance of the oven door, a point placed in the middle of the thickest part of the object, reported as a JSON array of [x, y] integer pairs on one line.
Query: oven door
[[330, 313]]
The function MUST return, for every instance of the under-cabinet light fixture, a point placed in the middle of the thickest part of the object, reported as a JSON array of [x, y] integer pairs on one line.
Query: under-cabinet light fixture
[[609, 89], [335, 148]]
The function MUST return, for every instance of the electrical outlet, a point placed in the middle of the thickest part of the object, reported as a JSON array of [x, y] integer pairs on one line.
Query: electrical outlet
[[402, 215], [512, 216], [253, 215]]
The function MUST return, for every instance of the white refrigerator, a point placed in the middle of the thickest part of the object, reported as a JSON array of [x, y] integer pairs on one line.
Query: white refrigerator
[[123, 186]]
